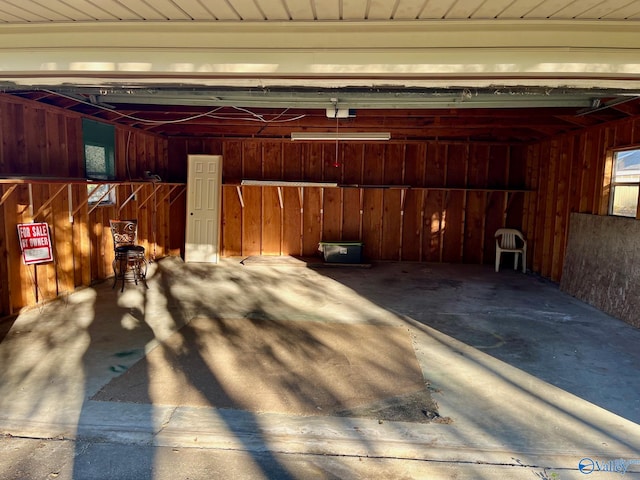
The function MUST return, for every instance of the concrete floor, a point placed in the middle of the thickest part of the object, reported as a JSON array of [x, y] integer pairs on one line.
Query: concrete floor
[[534, 381]]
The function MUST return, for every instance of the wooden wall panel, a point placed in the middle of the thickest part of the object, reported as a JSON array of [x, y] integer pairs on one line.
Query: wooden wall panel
[[231, 222], [292, 226], [373, 170], [494, 219], [40, 141], [272, 161], [391, 240], [272, 201], [561, 211], [252, 220], [292, 154], [352, 213], [453, 225], [635, 133], [415, 161], [271, 221], [498, 167], [392, 202], [433, 227], [312, 162], [474, 224], [353, 161], [81, 244], [372, 223], [448, 211], [332, 215], [436, 165], [412, 226], [251, 160], [74, 151], [5, 274], [9, 112], [332, 163], [312, 220], [232, 160], [549, 218], [394, 162], [21, 281], [567, 174]]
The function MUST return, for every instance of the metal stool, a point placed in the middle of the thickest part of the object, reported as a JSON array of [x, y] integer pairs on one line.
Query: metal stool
[[128, 257]]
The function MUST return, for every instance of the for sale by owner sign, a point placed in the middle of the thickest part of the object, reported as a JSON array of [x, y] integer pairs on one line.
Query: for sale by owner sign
[[35, 243]]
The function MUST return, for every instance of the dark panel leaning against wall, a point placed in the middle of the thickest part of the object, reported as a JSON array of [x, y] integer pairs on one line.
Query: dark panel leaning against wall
[[416, 201], [43, 141], [602, 265]]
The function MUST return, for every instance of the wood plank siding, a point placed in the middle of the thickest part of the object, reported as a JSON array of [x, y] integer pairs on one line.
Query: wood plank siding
[[568, 174], [428, 201], [410, 201], [44, 145]]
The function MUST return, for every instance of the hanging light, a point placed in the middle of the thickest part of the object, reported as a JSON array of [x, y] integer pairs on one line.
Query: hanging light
[[345, 136]]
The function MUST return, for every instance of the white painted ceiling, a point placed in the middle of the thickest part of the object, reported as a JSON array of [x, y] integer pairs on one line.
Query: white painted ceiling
[[42, 11]]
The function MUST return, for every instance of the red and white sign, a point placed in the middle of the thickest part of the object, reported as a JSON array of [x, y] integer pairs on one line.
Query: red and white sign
[[35, 243]]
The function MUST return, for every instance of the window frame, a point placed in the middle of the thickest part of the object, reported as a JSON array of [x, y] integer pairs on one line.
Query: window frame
[[613, 183], [102, 135]]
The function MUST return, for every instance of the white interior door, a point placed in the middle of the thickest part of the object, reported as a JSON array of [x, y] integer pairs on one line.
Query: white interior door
[[204, 188]]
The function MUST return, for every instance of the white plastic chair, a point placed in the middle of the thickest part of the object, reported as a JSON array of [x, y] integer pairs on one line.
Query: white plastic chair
[[512, 241]]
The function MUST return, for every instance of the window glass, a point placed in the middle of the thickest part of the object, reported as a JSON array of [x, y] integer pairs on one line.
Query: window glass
[[97, 194], [96, 161], [625, 184], [99, 147], [625, 201]]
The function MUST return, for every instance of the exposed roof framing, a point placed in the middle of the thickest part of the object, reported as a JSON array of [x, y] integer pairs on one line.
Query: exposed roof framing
[[499, 115], [482, 70]]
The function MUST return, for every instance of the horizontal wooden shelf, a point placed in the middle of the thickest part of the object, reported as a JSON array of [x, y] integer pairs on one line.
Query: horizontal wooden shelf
[[317, 184], [78, 181]]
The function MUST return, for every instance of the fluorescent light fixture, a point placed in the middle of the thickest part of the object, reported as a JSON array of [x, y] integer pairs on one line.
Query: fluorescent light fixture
[[366, 136], [279, 183]]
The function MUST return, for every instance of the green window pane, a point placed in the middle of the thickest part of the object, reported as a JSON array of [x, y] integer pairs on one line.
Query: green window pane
[[99, 149]]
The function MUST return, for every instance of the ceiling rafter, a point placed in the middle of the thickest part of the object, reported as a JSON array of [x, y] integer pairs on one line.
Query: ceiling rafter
[[515, 115]]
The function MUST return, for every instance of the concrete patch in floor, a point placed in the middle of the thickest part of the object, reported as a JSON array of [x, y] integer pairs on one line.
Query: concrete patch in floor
[[278, 366]]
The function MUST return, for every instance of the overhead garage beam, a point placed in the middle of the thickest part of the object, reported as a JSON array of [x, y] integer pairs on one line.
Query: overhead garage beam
[[327, 54]]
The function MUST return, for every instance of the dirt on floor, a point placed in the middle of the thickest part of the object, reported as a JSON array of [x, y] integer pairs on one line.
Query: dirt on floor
[[282, 366]]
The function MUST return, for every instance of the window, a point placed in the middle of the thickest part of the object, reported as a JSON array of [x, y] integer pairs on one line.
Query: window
[[625, 183], [99, 148]]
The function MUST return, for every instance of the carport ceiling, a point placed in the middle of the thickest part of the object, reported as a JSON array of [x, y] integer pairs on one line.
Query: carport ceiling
[[473, 70]]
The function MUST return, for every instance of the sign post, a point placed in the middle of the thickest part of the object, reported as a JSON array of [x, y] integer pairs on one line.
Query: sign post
[[35, 243]]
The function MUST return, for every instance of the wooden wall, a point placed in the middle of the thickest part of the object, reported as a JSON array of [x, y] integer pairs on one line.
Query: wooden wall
[[428, 201], [44, 142], [568, 174], [438, 202]]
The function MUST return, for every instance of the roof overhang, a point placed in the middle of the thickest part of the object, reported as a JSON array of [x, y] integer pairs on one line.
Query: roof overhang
[[473, 53]]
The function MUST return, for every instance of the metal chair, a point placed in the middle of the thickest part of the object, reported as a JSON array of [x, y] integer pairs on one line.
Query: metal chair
[[511, 240], [128, 256]]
